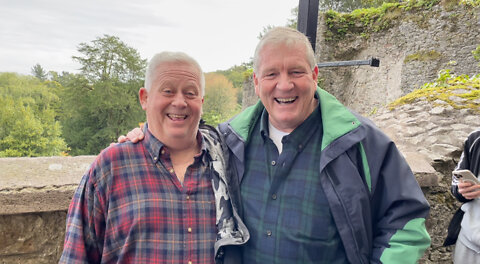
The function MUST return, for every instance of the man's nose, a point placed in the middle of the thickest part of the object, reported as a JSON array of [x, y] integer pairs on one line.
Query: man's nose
[[179, 100], [284, 82]]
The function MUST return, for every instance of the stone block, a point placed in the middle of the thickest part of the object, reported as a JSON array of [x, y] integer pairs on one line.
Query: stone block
[[424, 172], [39, 184]]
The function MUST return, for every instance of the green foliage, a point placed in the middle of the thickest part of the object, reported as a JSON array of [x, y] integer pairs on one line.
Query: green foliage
[[39, 72], [236, 75], [108, 58], [423, 55], [476, 54], [220, 102], [293, 20], [420, 4], [364, 21], [247, 74], [445, 88], [28, 125], [361, 21], [375, 3], [471, 3], [212, 118], [101, 103], [340, 5], [96, 114], [264, 31]]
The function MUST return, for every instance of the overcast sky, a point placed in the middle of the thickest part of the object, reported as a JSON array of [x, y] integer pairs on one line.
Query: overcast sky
[[218, 33]]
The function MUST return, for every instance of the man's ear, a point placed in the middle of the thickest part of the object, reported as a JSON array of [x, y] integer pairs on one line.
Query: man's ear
[[255, 82], [143, 95], [315, 74]]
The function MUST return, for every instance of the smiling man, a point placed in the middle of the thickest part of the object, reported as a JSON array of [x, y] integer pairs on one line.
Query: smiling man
[[165, 199], [318, 183], [314, 181]]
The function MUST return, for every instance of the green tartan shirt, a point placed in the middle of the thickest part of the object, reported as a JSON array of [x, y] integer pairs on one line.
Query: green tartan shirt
[[285, 207]]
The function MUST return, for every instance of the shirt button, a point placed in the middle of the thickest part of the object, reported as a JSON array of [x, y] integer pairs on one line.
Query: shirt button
[[274, 196], [188, 197], [269, 233], [163, 151], [300, 146], [189, 230], [273, 163], [155, 158], [171, 170], [189, 262]]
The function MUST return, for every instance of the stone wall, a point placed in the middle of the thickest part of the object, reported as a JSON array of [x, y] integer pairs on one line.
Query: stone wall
[[430, 135], [411, 52], [34, 198], [35, 192], [32, 238], [248, 96]]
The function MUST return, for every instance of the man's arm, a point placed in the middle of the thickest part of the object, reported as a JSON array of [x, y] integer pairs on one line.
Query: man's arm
[[81, 244], [399, 208], [463, 164]]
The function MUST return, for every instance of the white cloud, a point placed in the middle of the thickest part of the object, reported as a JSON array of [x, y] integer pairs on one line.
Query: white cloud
[[218, 33]]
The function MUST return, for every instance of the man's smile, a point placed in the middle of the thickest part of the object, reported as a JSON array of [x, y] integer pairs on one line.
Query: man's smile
[[176, 117], [286, 100]]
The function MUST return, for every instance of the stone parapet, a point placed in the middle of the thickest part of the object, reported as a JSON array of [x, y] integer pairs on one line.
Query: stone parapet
[[41, 184]]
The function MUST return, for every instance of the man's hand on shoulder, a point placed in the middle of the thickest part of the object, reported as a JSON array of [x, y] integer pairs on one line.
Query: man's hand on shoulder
[[135, 135]]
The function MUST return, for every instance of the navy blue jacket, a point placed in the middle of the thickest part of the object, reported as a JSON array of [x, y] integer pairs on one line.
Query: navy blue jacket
[[377, 204]]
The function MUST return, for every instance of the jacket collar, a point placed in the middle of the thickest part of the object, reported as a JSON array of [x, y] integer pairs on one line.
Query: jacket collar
[[337, 120]]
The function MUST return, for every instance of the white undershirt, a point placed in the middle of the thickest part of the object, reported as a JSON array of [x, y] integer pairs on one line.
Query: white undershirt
[[276, 136]]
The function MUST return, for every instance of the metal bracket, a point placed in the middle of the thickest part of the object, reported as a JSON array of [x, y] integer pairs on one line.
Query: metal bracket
[[374, 62]]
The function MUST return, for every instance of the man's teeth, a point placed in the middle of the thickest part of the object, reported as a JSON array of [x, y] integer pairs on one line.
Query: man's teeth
[[286, 100], [175, 116]]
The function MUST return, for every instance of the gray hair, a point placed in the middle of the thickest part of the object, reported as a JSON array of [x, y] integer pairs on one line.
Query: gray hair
[[167, 57], [287, 36]]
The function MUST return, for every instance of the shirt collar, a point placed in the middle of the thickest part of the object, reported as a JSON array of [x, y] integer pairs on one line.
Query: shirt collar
[[302, 134], [308, 124], [154, 146]]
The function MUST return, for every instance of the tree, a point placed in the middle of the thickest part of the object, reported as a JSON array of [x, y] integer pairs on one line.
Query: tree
[[108, 58], [101, 102], [28, 125], [39, 72], [236, 75], [220, 99], [293, 21]]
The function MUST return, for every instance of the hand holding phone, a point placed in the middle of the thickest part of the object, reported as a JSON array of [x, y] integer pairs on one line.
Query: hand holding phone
[[466, 176]]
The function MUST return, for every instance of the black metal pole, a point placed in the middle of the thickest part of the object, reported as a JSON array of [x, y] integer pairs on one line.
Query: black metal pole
[[374, 62], [308, 19], [307, 24]]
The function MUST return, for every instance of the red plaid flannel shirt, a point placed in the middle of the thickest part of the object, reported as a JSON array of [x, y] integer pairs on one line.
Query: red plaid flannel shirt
[[131, 208]]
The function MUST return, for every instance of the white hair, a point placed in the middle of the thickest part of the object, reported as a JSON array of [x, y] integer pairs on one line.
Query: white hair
[[168, 57], [287, 36]]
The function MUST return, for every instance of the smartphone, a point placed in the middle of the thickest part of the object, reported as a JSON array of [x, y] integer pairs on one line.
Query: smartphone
[[466, 176]]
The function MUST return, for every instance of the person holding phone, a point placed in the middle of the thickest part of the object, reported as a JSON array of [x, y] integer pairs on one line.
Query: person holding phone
[[467, 247]]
